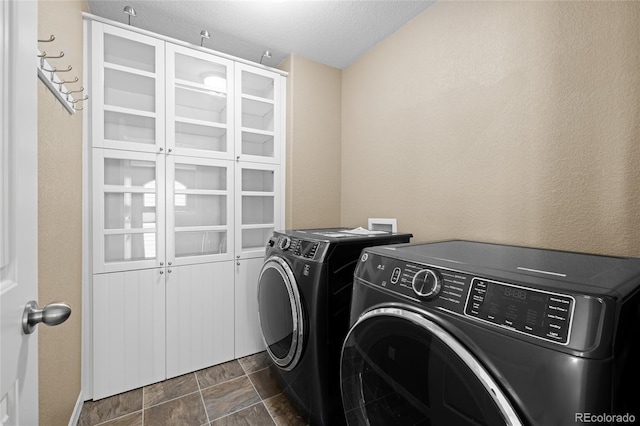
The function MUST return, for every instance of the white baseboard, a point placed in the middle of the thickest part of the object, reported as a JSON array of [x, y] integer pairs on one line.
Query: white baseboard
[[75, 416]]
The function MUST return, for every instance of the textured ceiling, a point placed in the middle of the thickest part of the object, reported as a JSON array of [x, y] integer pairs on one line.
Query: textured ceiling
[[335, 33]]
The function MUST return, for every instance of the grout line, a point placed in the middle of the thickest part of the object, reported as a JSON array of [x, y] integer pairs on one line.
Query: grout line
[[172, 399], [237, 411], [206, 413], [143, 405], [259, 396], [114, 418]]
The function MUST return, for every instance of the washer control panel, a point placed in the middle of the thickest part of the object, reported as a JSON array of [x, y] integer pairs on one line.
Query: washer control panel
[[538, 313], [533, 312]]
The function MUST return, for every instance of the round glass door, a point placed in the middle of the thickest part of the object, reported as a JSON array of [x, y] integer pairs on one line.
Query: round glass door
[[281, 317], [400, 368]]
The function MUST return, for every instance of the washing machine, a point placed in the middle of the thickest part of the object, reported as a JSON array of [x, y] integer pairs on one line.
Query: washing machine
[[304, 294], [469, 333]]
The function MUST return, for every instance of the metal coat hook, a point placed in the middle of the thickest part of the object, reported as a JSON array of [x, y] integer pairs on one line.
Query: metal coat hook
[[51, 38], [60, 83], [44, 56], [68, 92], [80, 100]]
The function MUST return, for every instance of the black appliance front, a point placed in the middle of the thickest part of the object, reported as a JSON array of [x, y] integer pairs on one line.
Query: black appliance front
[[462, 333], [304, 293]]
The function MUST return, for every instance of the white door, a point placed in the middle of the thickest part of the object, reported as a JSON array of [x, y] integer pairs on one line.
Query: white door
[[18, 211]]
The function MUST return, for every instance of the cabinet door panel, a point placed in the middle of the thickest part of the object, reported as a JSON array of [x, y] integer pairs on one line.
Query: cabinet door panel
[[199, 210], [127, 87], [248, 333], [128, 331], [128, 194], [259, 114], [258, 207], [200, 103], [199, 316]]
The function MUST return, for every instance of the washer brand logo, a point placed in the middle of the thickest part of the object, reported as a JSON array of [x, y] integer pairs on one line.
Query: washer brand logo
[[381, 267], [604, 418], [306, 270]]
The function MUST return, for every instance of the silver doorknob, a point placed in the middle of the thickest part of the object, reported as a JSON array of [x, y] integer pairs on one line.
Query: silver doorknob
[[52, 314]]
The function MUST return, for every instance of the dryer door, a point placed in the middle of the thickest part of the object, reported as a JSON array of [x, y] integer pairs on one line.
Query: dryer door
[[400, 368], [280, 313]]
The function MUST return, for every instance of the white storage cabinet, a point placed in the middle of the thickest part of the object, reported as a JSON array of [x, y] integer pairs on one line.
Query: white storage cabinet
[[186, 189]]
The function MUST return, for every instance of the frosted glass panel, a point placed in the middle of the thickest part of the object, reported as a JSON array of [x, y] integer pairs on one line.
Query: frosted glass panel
[[200, 243], [257, 85], [257, 210], [207, 138], [192, 176], [257, 144], [129, 128], [255, 238], [257, 115], [129, 211], [128, 53], [257, 180], [200, 210], [201, 105], [127, 90], [130, 173], [195, 70], [128, 247]]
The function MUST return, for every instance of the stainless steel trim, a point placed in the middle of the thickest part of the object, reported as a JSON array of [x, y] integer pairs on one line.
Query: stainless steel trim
[[293, 356], [419, 318]]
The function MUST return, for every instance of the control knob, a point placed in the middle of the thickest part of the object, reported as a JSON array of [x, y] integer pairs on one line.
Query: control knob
[[426, 283], [284, 243]]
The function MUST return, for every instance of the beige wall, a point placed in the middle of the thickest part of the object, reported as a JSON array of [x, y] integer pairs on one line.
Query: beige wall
[[313, 143], [513, 122], [60, 216]]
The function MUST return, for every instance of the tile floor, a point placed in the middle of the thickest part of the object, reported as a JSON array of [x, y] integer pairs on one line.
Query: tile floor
[[240, 392]]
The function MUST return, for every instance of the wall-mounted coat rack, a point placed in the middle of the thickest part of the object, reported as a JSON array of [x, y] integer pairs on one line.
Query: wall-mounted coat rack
[[53, 78]]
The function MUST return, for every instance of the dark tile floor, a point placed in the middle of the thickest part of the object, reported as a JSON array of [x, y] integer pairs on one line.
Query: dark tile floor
[[240, 392]]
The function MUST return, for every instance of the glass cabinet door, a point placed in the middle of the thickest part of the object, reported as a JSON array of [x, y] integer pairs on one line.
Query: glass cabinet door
[[199, 103], [257, 207], [258, 108], [128, 210], [128, 101], [199, 210]]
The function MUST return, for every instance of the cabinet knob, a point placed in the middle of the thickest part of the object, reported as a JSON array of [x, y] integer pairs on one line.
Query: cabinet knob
[[238, 158], [161, 149], [170, 149], [161, 272], [169, 263], [161, 263], [238, 263], [169, 270]]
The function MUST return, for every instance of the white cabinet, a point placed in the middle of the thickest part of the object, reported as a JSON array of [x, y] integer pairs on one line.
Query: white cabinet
[[128, 330], [199, 313], [258, 109], [247, 326], [200, 103], [127, 90], [187, 186]]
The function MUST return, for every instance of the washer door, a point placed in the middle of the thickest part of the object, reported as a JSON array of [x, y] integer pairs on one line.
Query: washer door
[[280, 313], [400, 368]]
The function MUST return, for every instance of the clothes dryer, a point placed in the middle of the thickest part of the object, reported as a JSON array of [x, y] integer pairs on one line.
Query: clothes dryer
[[304, 294], [467, 333]]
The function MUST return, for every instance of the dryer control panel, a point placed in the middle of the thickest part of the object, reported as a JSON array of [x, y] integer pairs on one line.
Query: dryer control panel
[[299, 247], [533, 312]]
